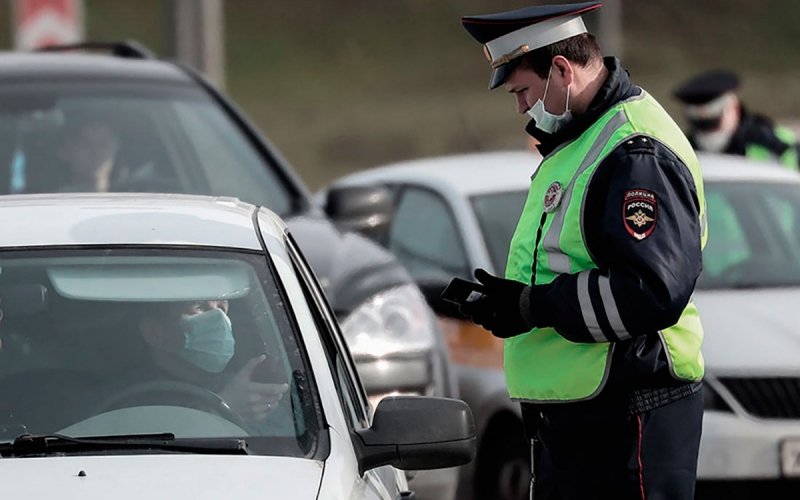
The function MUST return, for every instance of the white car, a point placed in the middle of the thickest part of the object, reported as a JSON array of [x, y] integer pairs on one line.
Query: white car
[[169, 130], [453, 214], [179, 347]]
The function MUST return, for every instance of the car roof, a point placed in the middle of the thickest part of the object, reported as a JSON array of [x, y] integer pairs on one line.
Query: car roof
[[27, 66], [719, 168], [469, 174], [132, 219], [498, 171]]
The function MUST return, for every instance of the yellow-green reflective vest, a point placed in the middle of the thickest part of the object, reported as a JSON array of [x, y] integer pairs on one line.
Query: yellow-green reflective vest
[[789, 157], [541, 365]]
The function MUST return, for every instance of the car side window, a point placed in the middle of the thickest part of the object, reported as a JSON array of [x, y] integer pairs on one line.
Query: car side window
[[786, 216], [351, 393], [753, 237], [424, 235], [727, 243]]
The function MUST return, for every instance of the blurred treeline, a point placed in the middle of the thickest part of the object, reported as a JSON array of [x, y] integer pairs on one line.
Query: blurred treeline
[[340, 85]]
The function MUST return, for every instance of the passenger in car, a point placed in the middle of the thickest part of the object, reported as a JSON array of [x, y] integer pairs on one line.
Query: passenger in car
[[193, 342], [89, 150]]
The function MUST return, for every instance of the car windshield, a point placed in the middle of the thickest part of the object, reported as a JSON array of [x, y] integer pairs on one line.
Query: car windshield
[[162, 137], [497, 215], [754, 233], [109, 342]]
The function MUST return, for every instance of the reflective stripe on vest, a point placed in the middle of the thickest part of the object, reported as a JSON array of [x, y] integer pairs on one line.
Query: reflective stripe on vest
[[541, 365]]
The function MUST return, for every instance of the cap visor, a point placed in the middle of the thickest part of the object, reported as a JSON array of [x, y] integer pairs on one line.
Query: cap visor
[[501, 73]]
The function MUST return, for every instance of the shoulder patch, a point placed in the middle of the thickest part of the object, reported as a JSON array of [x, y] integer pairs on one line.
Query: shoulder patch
[[639, 144], [639, 212]]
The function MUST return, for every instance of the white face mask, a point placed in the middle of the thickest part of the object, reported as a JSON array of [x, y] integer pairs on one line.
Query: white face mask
[[546, 121], [717, 140], [713, 142]]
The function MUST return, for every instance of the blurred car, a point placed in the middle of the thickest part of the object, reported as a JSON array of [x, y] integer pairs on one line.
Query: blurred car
[[86, 410], [453, 214], [120, 120]]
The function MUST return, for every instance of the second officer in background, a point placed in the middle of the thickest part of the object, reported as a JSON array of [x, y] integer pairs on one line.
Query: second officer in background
[[720, 123]]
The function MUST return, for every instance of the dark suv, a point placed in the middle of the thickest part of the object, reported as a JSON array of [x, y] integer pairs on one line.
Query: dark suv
[[124, 121]]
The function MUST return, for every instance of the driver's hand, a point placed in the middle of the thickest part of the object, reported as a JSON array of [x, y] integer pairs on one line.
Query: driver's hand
[[252, 400]]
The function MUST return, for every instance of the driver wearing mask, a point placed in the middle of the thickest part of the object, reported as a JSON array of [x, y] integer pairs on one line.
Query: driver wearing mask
[[193, 342]]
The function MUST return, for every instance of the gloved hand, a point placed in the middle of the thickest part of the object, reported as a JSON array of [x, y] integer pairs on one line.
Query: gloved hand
[[252, 400], [498, 308]]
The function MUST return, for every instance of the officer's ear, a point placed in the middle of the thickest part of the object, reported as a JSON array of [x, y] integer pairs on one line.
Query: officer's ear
[[737, 107], [562, 69]]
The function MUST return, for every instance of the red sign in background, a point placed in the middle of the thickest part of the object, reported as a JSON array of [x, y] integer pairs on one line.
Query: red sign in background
[[39, 23]]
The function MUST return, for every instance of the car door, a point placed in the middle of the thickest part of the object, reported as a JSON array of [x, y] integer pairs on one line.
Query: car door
[[381, 483]]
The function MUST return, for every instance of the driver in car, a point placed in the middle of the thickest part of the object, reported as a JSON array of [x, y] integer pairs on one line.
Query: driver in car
[[193, 342], [89, 150]]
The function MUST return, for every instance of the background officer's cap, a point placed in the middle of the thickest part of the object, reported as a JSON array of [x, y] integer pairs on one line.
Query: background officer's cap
[[707, 86], [508, 35]]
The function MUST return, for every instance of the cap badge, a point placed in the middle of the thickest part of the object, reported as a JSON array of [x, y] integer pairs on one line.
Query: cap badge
[[552, 197], [505, 58]]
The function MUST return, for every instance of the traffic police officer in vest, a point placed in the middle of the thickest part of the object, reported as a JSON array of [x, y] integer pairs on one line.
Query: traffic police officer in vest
[[719, 123], [602, 340]]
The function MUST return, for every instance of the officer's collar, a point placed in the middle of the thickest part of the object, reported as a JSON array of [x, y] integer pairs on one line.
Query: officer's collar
[[616, 88]]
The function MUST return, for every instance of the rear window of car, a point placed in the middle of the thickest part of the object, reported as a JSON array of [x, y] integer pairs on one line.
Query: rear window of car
[[136, 137]]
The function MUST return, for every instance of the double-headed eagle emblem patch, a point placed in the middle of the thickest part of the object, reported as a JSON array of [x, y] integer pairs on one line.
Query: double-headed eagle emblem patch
[[639, 212]]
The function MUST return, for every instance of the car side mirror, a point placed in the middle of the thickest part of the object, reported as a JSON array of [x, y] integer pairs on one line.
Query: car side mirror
[[417, 433], [364, 209]]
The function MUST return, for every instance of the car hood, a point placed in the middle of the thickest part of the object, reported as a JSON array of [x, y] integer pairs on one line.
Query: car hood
[[350, 267], [195, 477], [751, 331]]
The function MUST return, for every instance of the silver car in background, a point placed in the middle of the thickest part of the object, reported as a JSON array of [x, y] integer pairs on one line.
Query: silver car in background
[[452, 214]]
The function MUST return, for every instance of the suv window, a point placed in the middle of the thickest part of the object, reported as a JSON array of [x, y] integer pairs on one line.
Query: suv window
[[129, 137]]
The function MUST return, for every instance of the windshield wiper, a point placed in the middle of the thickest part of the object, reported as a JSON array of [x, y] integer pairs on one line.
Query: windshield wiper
[[44, 444]]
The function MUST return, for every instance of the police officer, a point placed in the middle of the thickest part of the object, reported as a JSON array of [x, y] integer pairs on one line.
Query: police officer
[[602, 341], [719, 123]]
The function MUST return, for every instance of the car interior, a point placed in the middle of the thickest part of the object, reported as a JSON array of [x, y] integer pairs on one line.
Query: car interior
[[165, 142], [71, 342]]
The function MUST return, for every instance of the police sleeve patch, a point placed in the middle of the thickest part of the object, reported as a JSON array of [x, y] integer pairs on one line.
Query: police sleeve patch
[[639, 212]]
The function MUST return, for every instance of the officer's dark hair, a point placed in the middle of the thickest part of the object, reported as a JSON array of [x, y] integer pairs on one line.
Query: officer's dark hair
[[581, 49]]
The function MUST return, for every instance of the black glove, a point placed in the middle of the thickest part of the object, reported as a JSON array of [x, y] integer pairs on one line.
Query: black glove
[[498, 308]]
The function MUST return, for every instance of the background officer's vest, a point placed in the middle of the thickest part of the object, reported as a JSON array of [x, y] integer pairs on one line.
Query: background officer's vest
[[542, 365], [755, 151]]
